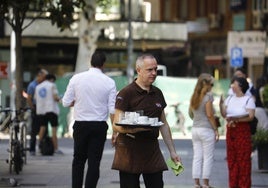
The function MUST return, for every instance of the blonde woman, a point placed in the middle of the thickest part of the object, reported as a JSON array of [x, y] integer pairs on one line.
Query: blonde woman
[[204, 132]]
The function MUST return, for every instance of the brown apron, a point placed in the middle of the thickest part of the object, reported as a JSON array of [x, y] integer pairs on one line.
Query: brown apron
[[141, 154]]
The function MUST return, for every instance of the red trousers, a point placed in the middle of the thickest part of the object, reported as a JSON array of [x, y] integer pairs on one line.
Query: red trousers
[[238, 141]]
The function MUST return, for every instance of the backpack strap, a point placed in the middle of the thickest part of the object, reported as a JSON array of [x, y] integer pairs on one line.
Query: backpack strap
[[248, 100]]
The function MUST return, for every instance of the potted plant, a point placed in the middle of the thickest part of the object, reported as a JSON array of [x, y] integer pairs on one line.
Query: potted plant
[[260, 139]]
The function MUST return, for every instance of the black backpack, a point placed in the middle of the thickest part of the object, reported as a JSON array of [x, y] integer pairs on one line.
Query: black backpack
[[46, 146]]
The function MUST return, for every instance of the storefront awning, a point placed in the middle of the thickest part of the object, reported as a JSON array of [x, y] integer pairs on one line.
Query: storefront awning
[[213, 60]]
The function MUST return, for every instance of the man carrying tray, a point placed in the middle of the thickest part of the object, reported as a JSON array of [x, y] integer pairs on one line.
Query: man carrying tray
[[137, 150]]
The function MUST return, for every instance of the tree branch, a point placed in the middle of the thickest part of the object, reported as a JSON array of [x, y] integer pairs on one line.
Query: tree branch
[[9, 22], [33, 19], [26, 26]]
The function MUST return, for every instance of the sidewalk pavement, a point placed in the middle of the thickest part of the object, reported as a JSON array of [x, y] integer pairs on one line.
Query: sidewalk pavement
[[55, 171]]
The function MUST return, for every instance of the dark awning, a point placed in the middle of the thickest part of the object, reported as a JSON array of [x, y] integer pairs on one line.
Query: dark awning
[[213, 60]]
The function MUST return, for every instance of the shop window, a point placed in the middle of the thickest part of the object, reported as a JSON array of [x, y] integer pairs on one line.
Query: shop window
[[257, 5], [2, 28], [265, 6], [238, 4]]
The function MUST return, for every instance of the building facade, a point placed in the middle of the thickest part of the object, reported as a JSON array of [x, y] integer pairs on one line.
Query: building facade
[[187, 36]]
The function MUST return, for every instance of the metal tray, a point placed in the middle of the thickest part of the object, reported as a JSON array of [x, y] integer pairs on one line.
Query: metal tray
[[139, 125]]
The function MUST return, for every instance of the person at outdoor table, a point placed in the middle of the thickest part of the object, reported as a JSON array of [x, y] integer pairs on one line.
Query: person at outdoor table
[[205, 131], [92, 93], [238, 110], [137, 150]]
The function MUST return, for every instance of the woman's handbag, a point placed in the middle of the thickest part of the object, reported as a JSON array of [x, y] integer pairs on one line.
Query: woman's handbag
[[253, 125], [218, 123]]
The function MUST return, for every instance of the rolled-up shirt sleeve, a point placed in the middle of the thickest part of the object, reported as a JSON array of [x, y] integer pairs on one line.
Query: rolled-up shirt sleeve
[[69, 95]]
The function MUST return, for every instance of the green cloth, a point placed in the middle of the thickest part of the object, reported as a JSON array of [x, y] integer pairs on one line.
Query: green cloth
[[177, 168]]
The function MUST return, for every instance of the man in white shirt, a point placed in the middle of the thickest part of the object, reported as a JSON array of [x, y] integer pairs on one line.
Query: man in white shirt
[[47, 109], [92, 94]]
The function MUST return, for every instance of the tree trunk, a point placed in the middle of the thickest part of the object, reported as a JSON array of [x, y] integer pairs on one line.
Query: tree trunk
[[18, 70], [16, 78], [89, 32], [86, 45]]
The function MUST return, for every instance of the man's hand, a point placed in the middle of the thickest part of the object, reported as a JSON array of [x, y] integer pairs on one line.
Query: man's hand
[[114, 136], [175, 157], [72, 104]]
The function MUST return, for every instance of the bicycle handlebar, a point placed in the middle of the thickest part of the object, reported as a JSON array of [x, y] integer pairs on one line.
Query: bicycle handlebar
[[5, 123], [8, 118], [17, 111]]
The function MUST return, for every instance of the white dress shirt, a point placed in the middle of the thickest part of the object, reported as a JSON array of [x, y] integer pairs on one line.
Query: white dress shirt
[[93, 94]]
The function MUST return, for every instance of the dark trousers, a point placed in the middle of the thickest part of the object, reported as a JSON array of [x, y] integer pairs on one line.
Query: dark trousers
[[89, 139], [153, 180], [35, 127]]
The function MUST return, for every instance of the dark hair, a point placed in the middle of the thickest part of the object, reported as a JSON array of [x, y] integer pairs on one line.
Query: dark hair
[[98, 59], [242, 82], [241, 70], [50, 77]]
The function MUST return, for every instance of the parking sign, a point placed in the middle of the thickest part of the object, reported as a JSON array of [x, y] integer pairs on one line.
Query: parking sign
[[236, 57]]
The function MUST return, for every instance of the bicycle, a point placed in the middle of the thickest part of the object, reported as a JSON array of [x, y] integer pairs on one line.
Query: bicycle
[[17, 138]]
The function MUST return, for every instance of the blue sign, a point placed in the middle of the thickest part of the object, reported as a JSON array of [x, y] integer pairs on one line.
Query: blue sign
[[236, 57]]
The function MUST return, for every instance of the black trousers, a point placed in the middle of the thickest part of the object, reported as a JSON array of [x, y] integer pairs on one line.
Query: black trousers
[[153, 180], [89, 139], [35, 127]]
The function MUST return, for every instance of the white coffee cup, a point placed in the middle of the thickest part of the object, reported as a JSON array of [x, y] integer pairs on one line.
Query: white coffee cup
[[152, 121], [156, 120], [130, 117], [143, 119]]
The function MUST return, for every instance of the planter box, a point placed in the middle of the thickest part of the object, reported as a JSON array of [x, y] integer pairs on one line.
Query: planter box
[[262, 156]]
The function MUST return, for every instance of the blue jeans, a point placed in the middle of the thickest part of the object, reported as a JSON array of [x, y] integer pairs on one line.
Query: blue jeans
[[89, 139]]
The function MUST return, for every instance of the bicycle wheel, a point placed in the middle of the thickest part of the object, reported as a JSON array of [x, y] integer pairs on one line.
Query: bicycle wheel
[[17, 159], [23, 140], [11, 149]]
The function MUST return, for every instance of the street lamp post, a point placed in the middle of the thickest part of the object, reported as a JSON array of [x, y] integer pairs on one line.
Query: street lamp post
[[130, 69]]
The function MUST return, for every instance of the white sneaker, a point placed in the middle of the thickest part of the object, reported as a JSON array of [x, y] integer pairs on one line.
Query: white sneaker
[[59, 152]]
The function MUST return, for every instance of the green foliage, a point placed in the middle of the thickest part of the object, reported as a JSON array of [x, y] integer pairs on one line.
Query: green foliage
[[15, 12], [106, 5], [61, 11], [19, 7], [261, 137], [265, 96]]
